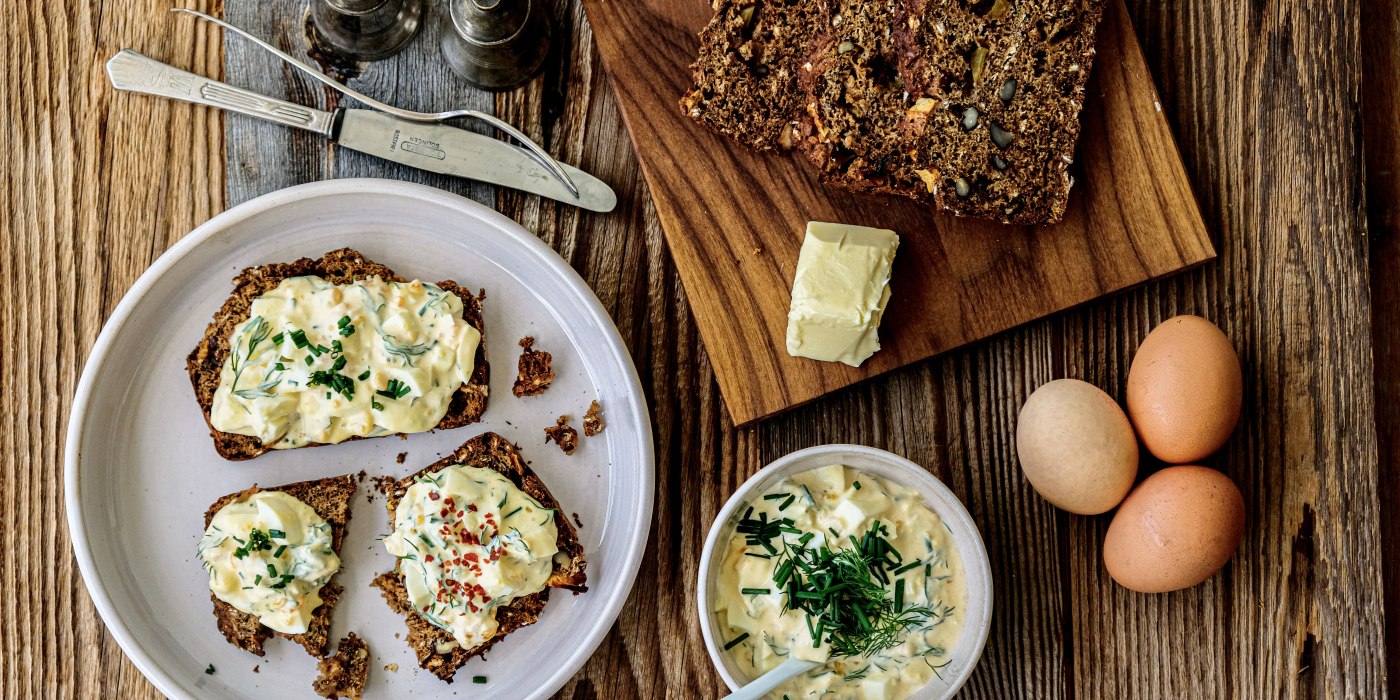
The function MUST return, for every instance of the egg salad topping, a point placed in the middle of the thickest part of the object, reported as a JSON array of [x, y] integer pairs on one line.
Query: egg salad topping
[[320, 363], [469, 541], [269, 555], [841, 567]]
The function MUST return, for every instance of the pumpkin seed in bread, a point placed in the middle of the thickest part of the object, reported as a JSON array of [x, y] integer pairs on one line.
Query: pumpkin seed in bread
[[339, 348], [268, 555], [499, 526]]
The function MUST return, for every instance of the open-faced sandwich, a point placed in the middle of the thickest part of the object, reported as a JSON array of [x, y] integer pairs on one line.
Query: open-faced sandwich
[[319, 351], [480, 541], [271, 555]]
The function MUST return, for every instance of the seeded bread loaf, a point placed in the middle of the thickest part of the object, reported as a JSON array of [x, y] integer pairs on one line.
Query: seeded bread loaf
[[206, 361], [971, 105], [751, 54], [330, 498], [996, 89], [490, 451]]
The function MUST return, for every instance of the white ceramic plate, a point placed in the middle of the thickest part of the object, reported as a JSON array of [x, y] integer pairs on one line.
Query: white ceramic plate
[[141, 470], [977, 609]]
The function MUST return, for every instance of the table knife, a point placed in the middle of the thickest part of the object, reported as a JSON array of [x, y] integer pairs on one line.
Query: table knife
[[434, 147]]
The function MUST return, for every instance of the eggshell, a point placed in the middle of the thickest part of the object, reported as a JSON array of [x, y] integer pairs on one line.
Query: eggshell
[[1175, 530], [1076, 447], [1184, 390]]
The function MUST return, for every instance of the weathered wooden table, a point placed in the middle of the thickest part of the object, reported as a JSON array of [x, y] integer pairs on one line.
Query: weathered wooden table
[[1268, 102]]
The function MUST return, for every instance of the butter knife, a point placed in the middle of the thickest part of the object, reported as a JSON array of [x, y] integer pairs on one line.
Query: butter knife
[[434, 147]]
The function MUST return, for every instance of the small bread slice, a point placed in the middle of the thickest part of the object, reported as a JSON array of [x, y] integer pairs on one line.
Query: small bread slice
[[330, 498], [490, 451], [342, 266]]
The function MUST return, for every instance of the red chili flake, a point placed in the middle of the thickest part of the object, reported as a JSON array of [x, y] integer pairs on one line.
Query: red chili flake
[[443, 513], [428, 558], [434, 495], [471, 507], [448, 501], [459, 513]]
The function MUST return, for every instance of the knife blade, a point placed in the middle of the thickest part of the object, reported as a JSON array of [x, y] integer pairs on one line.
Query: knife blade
[[437, 148], [446, 149]]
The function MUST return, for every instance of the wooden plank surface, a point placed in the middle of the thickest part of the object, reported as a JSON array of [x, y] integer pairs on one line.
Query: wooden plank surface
[[1380, 32], [98, 184], [734, 218]]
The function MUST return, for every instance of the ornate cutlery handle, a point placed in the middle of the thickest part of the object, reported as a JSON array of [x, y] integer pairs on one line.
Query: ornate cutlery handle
[[131, 71]]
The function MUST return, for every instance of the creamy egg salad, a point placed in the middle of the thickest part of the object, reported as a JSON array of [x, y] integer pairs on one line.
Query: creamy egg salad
[[321, 362], [269, 555], [469, 541], [838, 566]]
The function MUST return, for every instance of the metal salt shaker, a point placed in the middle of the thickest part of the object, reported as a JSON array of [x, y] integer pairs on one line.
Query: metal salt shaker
[[367, 29], [496, 44]]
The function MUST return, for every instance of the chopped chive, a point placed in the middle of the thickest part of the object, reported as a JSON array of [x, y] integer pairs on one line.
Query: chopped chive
[[376, 405], [299, 338], [928, 570], [735, 641], [364, 375], [907, 567], [856, 484], [280, 367], [277, 339], [343, 322], [209, 670], [899, 595], [757, 555], [336, 346], [775, 497], [339, 364], [479, 679], [309, 360], [787, 503], [280, 534], [278, 554], [257, 579], [754, 591]]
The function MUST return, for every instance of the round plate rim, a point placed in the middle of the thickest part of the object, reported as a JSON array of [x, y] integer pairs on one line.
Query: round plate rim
[[639, 531]]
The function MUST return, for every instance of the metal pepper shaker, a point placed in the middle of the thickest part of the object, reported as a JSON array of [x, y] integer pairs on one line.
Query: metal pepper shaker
[[366, 29], [496, 44]]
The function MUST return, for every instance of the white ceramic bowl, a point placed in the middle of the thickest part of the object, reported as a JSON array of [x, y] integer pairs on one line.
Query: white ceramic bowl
[[977, 610]]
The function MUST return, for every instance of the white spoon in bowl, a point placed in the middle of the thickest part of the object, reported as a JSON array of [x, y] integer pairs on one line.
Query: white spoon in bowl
[[784, 672]]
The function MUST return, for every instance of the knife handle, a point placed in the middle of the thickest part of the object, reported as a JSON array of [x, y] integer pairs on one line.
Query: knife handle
[[131, 71]]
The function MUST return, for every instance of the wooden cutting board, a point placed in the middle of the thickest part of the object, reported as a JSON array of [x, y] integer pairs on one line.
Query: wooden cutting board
[[734, 219]]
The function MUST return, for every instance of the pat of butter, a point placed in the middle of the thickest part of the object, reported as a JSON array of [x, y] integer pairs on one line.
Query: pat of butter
[[839, 292]]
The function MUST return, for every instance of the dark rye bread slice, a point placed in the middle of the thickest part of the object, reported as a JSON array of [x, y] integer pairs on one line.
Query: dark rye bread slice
[[751, 54], [340, 266], [330, 498], [997, 87], [491, 451], [855, 101]]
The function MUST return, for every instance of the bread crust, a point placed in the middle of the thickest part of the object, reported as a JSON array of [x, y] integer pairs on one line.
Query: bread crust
[[342, 266], [330, 498], [491, 451]]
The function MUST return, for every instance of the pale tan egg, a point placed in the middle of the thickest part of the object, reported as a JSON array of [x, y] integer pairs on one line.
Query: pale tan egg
[[1076, 447], [1185, 390], [1175, 530]]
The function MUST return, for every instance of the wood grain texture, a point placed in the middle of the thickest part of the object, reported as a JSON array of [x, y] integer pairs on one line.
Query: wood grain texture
[[98, 184], [1380, 33], [734, 218]]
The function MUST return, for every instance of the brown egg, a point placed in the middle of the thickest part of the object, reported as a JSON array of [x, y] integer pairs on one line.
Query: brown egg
[[1184, 390], [1175, 530], [1076, 447]]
